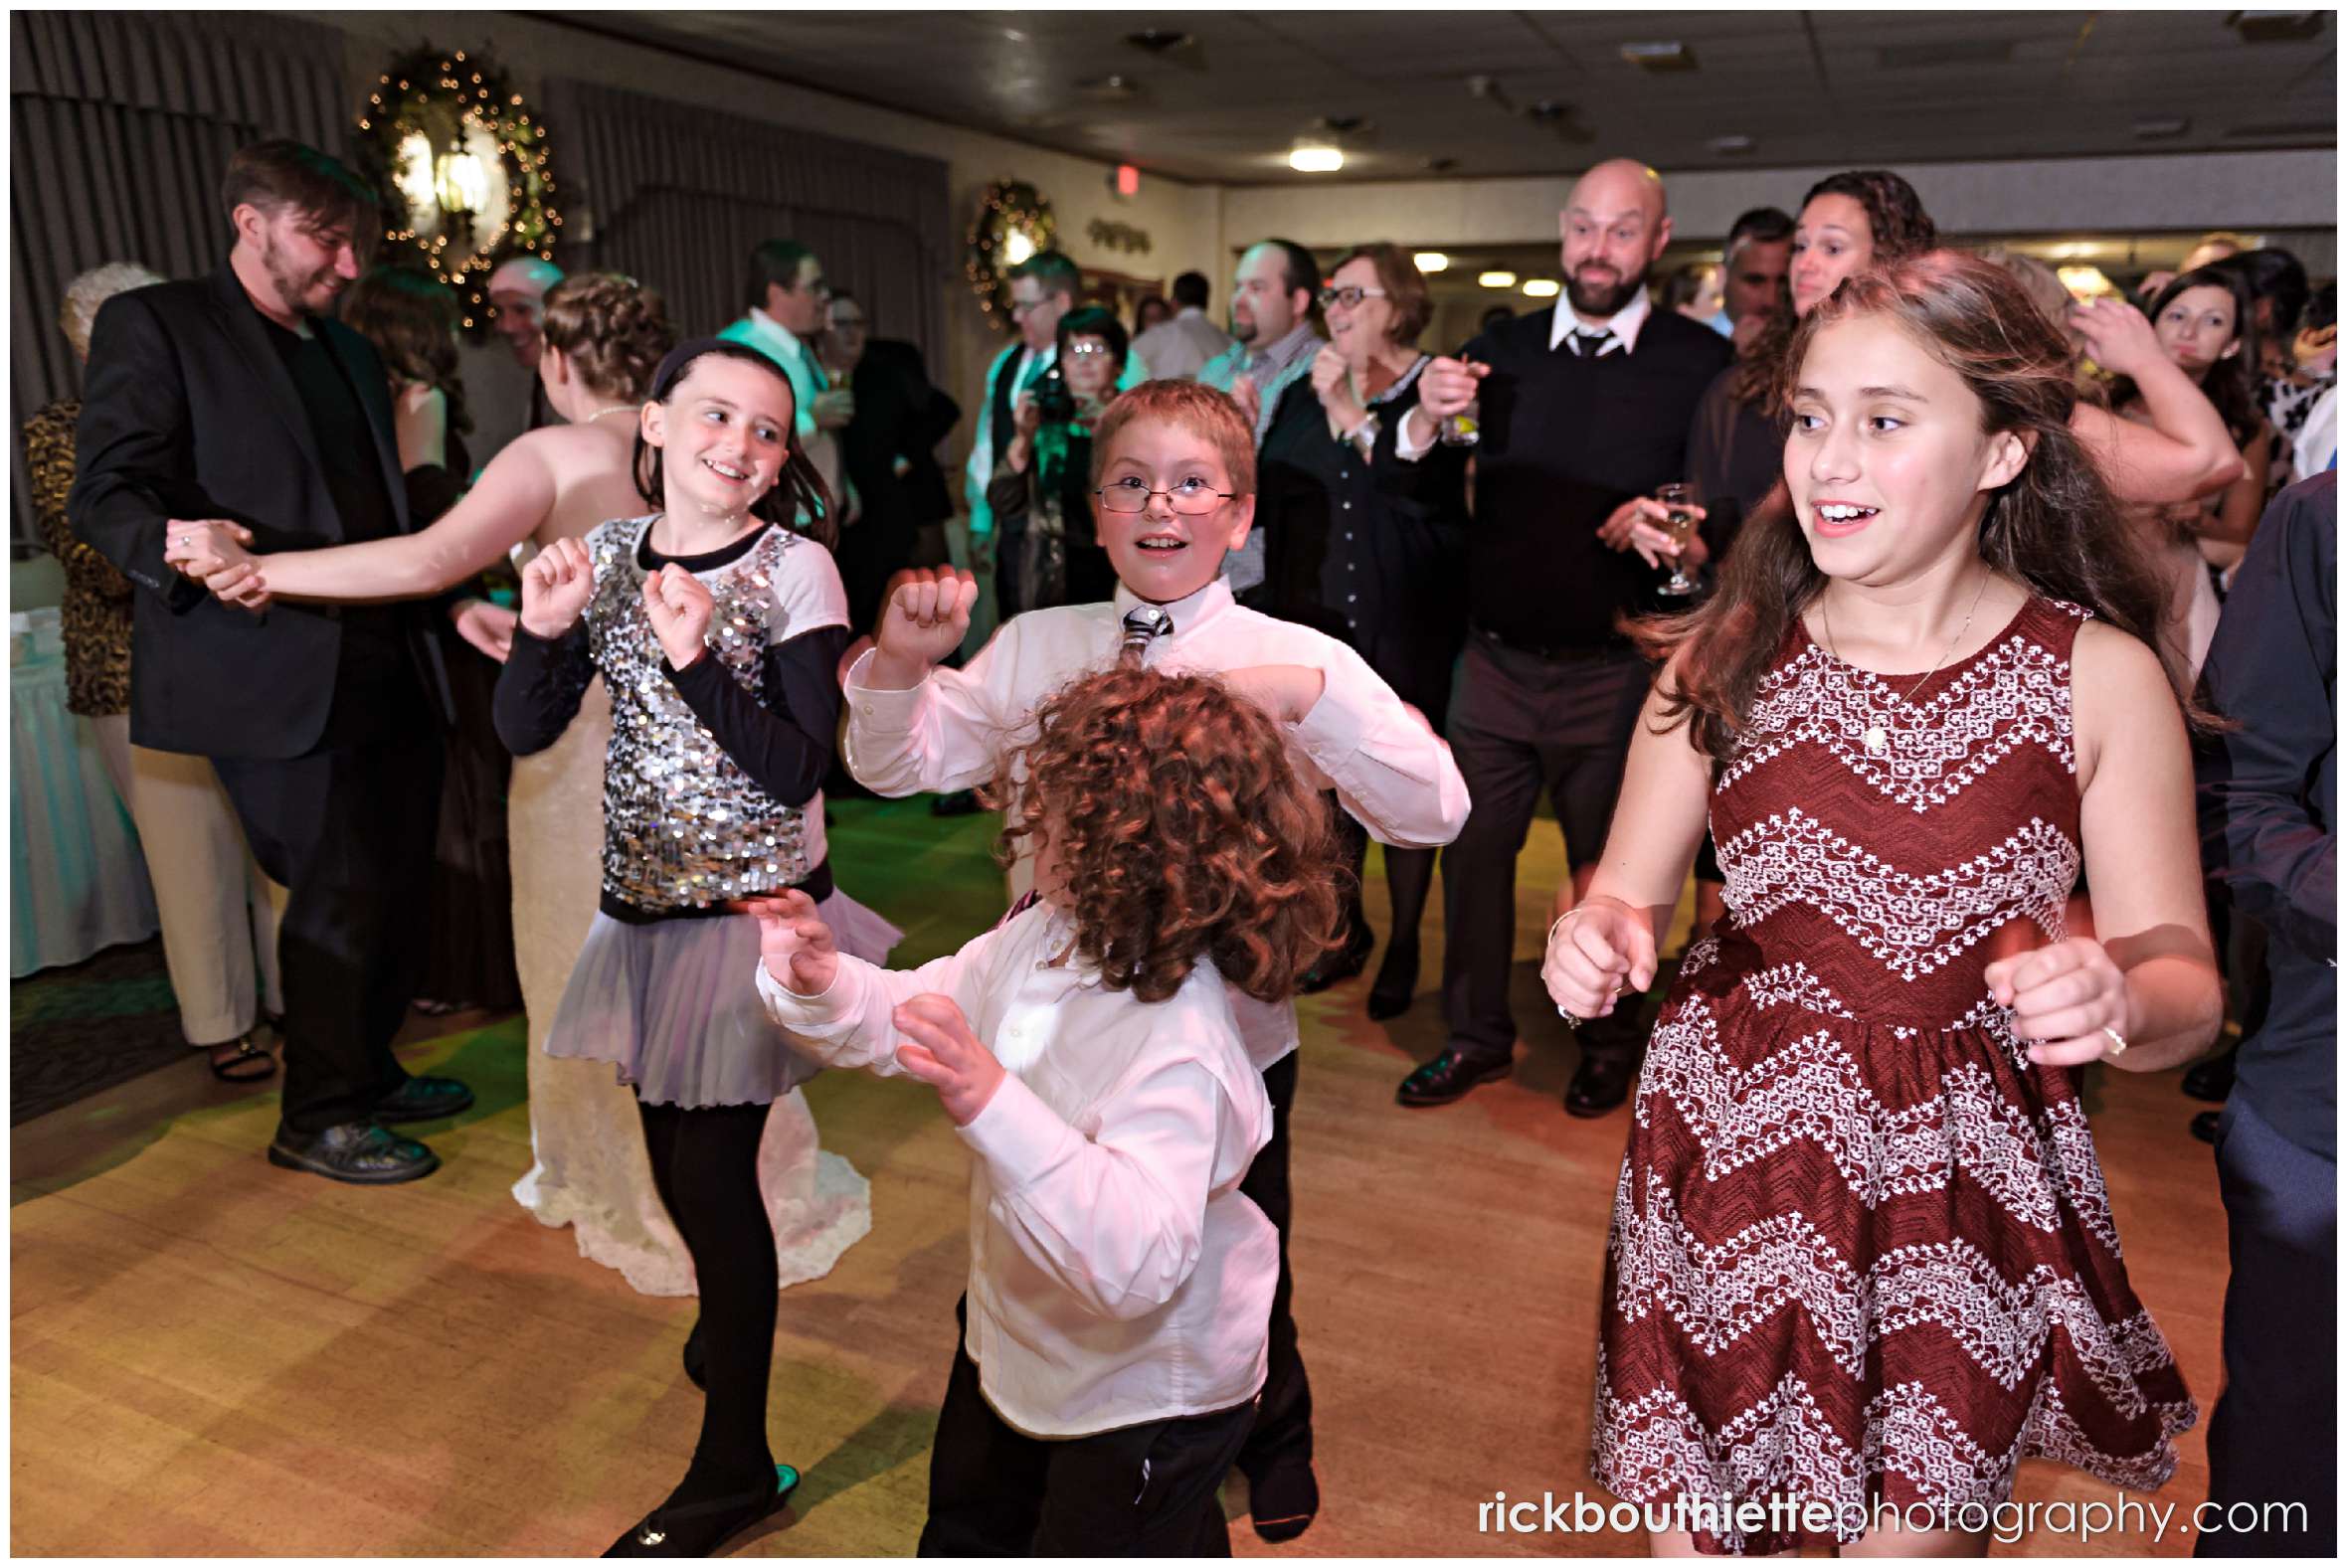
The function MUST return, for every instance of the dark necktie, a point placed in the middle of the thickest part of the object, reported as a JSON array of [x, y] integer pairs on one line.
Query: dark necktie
[[1027, 901], [1589, 342], [1143, 624]]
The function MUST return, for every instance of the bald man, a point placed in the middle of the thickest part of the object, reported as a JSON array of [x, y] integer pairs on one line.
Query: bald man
[[1582, 411]]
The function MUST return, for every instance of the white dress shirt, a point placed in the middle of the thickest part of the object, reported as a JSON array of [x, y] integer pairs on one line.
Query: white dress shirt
[[1117, 1275], [1625, 325], [1387, 765]]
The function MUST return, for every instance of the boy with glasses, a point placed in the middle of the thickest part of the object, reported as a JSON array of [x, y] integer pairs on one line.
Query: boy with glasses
[[1173, 470]]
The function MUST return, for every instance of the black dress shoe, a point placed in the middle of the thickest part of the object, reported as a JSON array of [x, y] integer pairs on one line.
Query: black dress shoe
[[1396, 982], [356, 1151], [1448, 1077], [697, 1529], [1599, 1084], [1342, 965], [696, 1358], [2211, 1080], [422, 1099], [1283, 1500], [2203, 1126]]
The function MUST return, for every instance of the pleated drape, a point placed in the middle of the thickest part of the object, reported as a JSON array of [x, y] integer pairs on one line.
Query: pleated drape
[[679, 196], [121, 127]]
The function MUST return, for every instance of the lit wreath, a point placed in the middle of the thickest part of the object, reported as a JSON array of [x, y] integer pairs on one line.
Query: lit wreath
[[438, 138], [1013, 223]]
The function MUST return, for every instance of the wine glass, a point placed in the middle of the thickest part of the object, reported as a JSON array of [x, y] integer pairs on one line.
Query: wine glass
[[1678, 500], [1465, 428]]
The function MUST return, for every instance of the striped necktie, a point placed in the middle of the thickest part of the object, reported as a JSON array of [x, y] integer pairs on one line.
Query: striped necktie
[[1027, 901], [1589, 342], [1144, 624]]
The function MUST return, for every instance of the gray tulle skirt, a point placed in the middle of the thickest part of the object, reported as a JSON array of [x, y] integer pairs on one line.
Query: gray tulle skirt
[[674, 1005]]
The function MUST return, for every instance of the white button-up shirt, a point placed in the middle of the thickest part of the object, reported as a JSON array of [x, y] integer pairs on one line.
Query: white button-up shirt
[[1387, 765], [1117, 1275]]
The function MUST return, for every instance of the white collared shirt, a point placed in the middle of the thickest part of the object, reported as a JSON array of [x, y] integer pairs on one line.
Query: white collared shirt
[[1387, 765], [1624, 323], [1117, 1275]]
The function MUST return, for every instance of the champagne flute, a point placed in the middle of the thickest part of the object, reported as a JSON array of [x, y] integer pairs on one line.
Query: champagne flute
[[1678, 500]]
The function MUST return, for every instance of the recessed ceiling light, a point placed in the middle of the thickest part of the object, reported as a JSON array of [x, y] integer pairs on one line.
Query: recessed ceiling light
[[1432, 261], [1542, 288], [1014, 35], [1666, 55], [1309, 157], [1501, 279], [1730, 146]]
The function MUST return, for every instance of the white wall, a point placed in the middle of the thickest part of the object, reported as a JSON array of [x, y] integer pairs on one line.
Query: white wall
[[1183, 220], [2221, 190]]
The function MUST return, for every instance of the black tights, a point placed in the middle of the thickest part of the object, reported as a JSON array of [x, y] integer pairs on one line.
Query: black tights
[[705, 1165]]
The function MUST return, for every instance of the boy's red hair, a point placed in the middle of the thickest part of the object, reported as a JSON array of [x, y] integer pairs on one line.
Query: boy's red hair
[[1180, 829], [1208, 415]]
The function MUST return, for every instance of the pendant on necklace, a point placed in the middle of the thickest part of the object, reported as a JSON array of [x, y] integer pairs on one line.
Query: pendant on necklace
[[1878, 740]]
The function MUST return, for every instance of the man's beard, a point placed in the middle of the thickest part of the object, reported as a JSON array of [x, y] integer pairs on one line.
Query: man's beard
[[1602, 302], [1242, 328], [292, 288]]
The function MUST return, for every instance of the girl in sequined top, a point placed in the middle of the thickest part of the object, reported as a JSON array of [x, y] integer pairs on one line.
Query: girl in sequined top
[[717, 630]]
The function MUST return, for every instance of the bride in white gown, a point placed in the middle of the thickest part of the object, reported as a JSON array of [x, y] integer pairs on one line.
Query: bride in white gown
[[603, 337]]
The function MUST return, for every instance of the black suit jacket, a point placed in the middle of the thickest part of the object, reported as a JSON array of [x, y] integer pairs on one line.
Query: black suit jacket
[[898, 413], [188, 413]]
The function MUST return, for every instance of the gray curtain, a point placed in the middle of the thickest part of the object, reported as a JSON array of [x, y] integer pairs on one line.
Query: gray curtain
[[121, 124], [680, 196]]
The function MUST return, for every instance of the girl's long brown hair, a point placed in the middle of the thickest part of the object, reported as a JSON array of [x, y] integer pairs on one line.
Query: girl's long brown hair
[[411, 318], [2055, 526], [1182, 831]]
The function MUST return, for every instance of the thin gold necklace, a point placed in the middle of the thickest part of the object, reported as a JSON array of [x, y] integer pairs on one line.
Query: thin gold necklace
[[617, 407], [1878, 734]]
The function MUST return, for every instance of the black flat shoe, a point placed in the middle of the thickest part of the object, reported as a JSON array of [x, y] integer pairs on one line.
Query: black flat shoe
[[1396, 982], [697, 1529], [2203, 1126], [1599, 1084], [2211, 1080], [1448, 1077], [422, 1099], [359, 1152], [1341, 966], [1283, 1500]]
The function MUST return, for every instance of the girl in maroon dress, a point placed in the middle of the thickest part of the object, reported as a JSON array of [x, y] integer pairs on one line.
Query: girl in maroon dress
[[1862, 1256]]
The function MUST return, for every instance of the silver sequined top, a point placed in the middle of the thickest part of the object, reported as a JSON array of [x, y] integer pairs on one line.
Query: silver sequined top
[[683, 825]]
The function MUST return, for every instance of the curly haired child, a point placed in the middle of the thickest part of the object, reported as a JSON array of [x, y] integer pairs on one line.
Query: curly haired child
[[1120, 1284]]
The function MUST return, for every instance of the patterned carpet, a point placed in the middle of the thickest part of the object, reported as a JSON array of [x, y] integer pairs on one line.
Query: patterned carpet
[[75, 1031]]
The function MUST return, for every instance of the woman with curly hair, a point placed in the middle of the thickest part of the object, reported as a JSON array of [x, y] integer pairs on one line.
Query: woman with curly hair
[[605, 337], [1115, 1328], [1861, 1256]]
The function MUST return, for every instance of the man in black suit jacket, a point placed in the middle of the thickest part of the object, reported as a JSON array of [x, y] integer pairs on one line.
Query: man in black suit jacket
[[890, 452], [231, 402], [1582, 411]]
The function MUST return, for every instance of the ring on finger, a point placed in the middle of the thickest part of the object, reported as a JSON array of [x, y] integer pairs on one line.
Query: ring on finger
[[2118, 1042]]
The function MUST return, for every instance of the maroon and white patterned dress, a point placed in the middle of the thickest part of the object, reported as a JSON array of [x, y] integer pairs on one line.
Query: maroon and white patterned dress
[[1861, 1248]]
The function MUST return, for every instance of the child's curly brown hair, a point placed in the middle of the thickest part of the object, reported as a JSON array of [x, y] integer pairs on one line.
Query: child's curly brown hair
[[1180, 831]]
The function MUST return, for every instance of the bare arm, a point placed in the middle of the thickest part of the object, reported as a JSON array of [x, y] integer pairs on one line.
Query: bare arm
[[2185, 451], [2142, 847], [515, 495], [2224, 533]]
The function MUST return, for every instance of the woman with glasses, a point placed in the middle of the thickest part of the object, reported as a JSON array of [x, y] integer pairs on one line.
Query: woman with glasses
[[1042, 488], [1369, 549]]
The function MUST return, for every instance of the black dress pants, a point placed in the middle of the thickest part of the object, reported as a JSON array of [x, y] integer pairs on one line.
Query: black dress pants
[[1146, 1491], [2273, 1440], [1523, 723], [348, 832]]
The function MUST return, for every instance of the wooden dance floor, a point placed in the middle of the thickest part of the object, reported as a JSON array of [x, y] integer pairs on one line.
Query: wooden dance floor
[[211, 1356]]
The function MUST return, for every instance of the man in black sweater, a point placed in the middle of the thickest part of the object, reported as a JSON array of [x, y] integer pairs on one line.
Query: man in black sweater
[[1581, 414], [2268, 806]]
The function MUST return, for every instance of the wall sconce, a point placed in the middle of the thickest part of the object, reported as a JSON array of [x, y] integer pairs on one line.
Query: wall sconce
[[462, 186]]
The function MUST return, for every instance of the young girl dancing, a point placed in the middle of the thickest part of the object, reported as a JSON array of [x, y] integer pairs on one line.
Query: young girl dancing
[[716, 629], [1120, 1283], [1860, 1253]]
